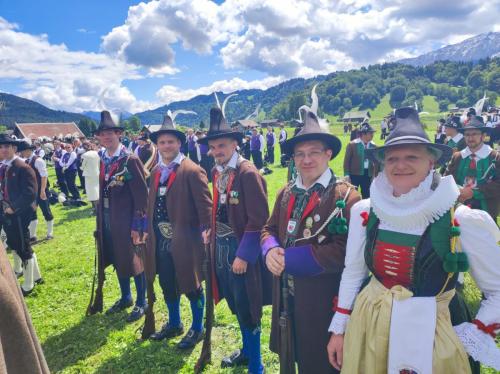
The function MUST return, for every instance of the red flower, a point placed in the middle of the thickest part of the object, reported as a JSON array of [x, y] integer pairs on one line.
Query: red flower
[[365, 216]]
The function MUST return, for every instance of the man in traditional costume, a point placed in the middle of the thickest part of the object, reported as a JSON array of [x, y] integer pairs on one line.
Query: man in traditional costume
[[303, 244], [282, 139], [57, 156], [179, 212], [40, 168], [69, 165], [357, 167], [239, 212], [476, 169], [256, 148], [21, 351], [270, 143], [455, 139], [415, 239], [18, 199], [192, 146], [120, 220]]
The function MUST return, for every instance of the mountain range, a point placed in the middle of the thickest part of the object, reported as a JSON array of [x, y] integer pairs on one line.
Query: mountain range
[[473, 49], [17, 109]]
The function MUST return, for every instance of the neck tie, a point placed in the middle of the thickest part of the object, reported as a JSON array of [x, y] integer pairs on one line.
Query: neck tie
[[472, 164]]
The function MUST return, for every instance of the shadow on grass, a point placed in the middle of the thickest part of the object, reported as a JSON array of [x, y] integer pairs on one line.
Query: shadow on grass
[[73, 213], [81, 340], [150, 357]]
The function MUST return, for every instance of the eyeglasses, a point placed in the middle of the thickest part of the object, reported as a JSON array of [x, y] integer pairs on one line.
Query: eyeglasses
[[299, 156]]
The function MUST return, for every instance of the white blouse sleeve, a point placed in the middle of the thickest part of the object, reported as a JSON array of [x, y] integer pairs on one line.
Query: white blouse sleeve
[[479, 236], [355, 271]]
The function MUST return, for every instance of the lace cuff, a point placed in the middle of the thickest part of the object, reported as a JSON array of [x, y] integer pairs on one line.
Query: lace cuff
[[479, 345], [339, 323]]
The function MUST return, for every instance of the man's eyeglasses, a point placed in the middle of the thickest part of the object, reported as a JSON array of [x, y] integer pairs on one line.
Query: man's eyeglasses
[[299, 156]]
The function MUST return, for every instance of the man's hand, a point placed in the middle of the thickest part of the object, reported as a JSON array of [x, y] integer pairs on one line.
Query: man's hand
[[144, 237], [347, 179], [205, 235], [136, 238], [275, 260], [239, 266], [9, 211], [335, 350], [466, 193], [43, 195]]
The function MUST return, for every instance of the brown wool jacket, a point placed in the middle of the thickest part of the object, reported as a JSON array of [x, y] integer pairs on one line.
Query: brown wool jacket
[[20, 350], [189, 207], [316, 269], [247, 218], [128, 201], [353, 164]]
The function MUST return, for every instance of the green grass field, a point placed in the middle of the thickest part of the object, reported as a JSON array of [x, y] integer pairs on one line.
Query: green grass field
[[74, 343]]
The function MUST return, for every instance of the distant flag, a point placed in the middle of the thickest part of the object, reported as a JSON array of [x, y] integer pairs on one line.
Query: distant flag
[[480, 104]]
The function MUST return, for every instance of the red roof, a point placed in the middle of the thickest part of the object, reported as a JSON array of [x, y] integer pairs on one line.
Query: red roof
[[36, 130]]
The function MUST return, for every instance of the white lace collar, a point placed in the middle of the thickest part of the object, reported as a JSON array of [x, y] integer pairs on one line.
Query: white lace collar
[[481, 153], [416, 209]]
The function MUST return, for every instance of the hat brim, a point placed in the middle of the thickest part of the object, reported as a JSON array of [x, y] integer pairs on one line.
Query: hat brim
[[179, 134], [331, 141], [236, 135], [12, 142], [482, 129], [377, 154], [24, 147], [117, 128]]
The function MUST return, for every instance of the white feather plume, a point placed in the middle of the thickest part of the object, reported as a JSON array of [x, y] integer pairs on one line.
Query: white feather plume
[[314, 100], [217, 100], [180, 111], [223, 109]]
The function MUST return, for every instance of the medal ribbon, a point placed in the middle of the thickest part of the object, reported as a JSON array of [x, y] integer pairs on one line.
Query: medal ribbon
[[311, 204]]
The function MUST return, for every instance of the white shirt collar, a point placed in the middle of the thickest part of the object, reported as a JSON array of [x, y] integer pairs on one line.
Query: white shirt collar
[[324, 180], [9, 162], [457, 137], [233, 163], [117, 152], [177, 160], [483, 152]]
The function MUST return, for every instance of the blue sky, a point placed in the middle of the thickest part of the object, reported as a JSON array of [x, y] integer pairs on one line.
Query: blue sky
[[128, 55]]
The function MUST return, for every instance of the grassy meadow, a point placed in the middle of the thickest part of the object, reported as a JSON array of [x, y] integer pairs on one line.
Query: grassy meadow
[[74, 343]]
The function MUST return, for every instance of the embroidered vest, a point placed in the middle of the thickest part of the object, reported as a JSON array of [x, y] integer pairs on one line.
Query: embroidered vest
[[255, 143], [413, 261]]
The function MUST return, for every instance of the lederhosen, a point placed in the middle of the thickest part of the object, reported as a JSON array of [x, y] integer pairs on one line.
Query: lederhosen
[[43, 204], [165, 267], [417, 264], [231, 286]]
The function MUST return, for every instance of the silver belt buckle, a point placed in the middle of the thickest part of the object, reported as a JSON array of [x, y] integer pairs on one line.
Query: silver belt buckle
[[223, 230], [166, 229]]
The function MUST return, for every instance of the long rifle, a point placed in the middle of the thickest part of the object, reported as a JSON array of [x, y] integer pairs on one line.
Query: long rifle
[[149, 264], [96, 297], [206, 350], [287, 349]]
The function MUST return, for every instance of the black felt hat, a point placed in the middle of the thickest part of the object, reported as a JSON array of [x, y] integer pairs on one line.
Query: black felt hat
[[409, 131], [475, 123], [453, 122], [219, 128], [107, 123], [168, 127], [313, 131], [24, 144], [7, 139], [365, 128]]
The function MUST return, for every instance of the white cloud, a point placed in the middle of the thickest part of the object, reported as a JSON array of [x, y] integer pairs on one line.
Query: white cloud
[[64, 79], [168, 93]]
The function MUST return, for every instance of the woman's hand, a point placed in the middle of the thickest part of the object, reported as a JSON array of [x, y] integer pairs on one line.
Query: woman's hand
[[335, 350]]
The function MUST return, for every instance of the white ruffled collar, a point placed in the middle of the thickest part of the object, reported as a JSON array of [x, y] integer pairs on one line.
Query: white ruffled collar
[[416, 209]]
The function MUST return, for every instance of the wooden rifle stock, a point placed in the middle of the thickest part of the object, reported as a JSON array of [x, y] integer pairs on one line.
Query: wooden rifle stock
[[287, 349], [206, 350]]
